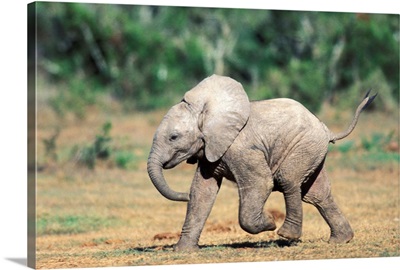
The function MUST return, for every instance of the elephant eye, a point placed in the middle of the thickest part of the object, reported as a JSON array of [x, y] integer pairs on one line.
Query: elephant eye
[[173, 137]]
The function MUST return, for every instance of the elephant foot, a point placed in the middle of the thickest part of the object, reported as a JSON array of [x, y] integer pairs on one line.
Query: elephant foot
[[291, 232], [185, 247], [254, 223], [341, 238], [257, 226]]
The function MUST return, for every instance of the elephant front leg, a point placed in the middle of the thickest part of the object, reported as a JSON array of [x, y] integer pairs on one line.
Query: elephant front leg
[[254, 191], [203, 192]]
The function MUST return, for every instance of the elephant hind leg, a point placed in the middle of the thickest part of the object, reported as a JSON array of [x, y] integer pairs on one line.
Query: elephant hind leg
[[319, 195], [341, 231], [297, 168]]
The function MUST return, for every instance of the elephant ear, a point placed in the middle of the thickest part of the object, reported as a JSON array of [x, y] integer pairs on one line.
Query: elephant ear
[[223, 109]]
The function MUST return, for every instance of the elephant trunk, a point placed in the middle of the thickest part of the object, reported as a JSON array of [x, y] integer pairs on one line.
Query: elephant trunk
[[154, 169]]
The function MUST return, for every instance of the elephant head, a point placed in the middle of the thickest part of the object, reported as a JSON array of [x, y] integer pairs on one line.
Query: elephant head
[[207, 120]]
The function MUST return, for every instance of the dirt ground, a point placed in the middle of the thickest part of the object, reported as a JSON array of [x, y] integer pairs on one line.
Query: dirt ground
[[113, 216]]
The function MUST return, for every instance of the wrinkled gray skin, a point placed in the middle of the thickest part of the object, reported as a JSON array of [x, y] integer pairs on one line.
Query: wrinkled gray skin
[[263, 146]]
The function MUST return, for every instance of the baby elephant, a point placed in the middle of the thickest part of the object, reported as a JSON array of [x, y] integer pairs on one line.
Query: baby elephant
[[263, 146]]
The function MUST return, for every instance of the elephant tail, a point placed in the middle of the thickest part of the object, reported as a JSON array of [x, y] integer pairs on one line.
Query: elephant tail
[[364, 104]]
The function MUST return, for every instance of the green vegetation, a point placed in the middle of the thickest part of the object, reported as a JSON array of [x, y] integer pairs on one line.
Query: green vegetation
[[71, 224], [123, 158], [99, 149], [377, 142], [345, 146], [102, 148], [377, 150], [146, 57]]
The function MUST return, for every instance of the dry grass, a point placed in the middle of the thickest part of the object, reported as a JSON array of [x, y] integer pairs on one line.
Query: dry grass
[[113, 217]]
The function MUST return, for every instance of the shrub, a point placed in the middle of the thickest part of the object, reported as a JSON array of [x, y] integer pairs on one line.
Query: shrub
[[99, 149], [122, 159]]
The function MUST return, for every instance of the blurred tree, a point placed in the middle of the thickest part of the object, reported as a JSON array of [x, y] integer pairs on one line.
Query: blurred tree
[[148, 56]]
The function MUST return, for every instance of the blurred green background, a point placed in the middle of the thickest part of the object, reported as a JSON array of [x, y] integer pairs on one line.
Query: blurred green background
[[146, 57]]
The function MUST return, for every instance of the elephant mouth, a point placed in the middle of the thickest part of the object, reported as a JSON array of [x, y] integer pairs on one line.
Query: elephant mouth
[[173, 162], [192, 160], [181, 156], [168, 165]]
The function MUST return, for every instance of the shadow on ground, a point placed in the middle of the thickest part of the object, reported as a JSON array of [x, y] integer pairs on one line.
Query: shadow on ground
[[281, 243], [20, 261]]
